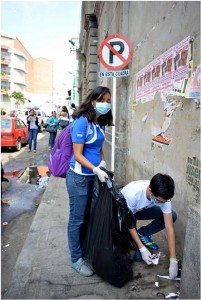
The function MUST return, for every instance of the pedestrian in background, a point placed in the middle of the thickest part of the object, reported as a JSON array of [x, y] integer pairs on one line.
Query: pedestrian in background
[[88, 135], [64, 117], [151, 200], [53, 122], [71, 111], [33, 128]]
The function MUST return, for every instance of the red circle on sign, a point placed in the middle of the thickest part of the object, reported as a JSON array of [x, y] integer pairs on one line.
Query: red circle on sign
[[125, 61]]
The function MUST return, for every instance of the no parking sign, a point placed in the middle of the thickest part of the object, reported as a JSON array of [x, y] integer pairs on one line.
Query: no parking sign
[[115, 52]]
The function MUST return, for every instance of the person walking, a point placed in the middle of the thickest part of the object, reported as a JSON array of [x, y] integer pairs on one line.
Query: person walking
[[53, 122], [33, 128], [64, 117], [71, 111], [151, 200], [88, 135]]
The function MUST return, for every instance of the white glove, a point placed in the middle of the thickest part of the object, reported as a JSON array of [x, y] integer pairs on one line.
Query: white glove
[[102, 164], [100, 173], [173, 269], [146, 255]]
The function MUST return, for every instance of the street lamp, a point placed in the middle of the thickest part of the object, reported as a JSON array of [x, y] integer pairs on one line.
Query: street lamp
[[71, 42]]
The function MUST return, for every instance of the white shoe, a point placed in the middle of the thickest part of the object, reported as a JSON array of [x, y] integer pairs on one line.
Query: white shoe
[[82, 268]]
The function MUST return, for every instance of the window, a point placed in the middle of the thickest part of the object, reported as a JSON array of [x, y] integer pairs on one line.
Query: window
[[22, 124], [5, 85], [17, 124], [5, 123]]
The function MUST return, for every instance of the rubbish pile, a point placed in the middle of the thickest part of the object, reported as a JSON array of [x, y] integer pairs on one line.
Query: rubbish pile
[[34, 175]]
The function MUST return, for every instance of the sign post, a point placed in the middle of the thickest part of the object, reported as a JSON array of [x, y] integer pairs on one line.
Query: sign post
[[115, 53]]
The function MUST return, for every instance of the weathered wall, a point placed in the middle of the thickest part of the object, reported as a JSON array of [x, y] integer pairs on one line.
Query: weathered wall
[[153, 28]]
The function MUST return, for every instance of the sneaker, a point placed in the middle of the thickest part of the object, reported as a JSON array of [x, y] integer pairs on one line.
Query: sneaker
[[82, 268], [137, 256], [29, 150], [147, 241], [34, 151]]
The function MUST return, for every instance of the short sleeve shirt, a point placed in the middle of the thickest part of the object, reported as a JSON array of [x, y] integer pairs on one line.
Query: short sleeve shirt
[[135, 195], [92, 136], [33, 124]]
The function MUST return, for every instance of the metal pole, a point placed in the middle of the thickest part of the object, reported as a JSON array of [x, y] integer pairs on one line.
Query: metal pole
[[114, 120]]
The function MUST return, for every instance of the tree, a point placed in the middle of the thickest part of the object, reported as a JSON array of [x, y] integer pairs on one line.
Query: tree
[[19, 98]]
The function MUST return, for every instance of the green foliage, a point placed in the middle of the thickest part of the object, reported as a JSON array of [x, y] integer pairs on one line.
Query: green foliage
[[19, 98]]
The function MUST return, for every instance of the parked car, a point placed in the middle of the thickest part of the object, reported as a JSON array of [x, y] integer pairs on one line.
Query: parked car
[[14, 132], [42, 118]]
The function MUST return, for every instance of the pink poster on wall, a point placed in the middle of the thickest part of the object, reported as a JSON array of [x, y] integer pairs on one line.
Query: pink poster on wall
[[167, 72]]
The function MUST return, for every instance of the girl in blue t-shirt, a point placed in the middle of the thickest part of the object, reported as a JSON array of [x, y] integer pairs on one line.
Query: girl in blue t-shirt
[[88, 135]]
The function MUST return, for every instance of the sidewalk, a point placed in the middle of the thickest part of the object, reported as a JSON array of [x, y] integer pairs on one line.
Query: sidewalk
[[43, 269]]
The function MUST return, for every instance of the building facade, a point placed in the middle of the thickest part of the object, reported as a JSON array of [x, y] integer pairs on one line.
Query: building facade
[[16, 70], [43, 80], [21, 73], [157, 128]]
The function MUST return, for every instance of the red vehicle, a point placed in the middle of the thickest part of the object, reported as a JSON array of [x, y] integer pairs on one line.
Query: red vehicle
[[14, 132]]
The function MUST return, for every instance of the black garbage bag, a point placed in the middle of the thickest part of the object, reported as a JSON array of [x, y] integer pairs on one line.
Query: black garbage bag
[[107, 242]]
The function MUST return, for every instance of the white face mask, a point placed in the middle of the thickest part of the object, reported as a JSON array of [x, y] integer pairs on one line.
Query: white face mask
[[154, 201], [102, 108]]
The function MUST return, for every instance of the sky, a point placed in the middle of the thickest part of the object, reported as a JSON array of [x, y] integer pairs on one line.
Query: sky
[[43, 27]]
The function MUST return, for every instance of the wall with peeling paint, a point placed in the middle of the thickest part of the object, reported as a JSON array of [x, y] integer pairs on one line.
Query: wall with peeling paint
[[153, 28]]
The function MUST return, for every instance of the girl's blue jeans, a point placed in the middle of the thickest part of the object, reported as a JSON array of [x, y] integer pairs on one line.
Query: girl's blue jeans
[[52, 138], [33, 137], [153, 213], [80, 189]]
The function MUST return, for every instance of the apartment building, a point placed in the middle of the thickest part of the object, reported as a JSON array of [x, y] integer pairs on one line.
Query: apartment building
[[21, 73], [43, 81]]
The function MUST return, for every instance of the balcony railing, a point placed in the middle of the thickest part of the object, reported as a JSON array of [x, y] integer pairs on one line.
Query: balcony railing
[[5, 76], [5, 61], [5, 92]]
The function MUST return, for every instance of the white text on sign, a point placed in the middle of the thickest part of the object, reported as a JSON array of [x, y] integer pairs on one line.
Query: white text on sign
[[121, 73]]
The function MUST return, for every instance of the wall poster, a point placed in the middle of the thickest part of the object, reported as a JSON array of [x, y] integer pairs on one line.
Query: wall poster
[[171, 71]]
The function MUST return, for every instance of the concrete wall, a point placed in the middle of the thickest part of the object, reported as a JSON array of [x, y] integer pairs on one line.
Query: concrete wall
[[153, 28]]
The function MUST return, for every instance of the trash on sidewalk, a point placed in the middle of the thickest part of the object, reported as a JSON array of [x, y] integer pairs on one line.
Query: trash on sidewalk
[[167, 277], [33, 175], [43, 181], [4, 223], [157, 284], [5, 201], [169, 296], [154, 259], [161, 254]]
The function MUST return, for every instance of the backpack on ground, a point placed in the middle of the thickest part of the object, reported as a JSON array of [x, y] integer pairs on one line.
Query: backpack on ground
[[61, 154]]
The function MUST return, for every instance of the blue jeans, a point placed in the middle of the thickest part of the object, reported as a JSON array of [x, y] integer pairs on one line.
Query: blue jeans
[[33, 137], [153, 213], [80, 189], [52, 138]]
